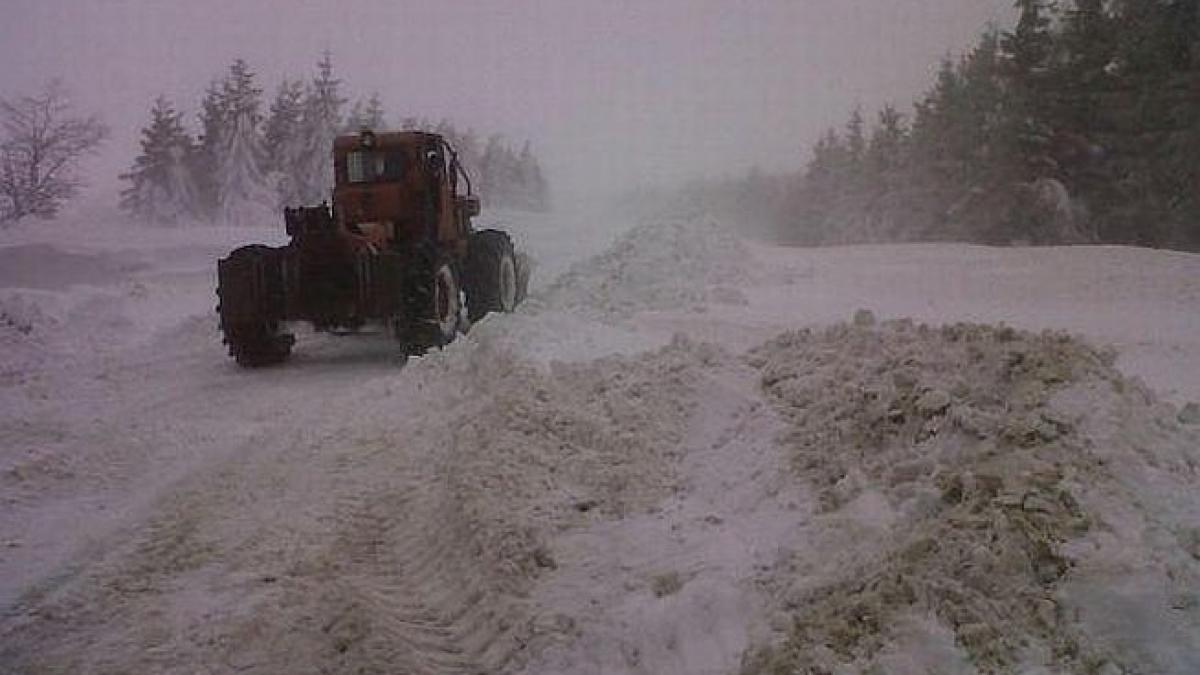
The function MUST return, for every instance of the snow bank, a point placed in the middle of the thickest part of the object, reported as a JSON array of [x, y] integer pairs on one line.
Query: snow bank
[[534, 451], [660, 265], [977, 487]]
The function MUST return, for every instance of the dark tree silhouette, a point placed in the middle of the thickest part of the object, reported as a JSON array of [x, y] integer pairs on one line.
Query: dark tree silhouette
[[40, 149]]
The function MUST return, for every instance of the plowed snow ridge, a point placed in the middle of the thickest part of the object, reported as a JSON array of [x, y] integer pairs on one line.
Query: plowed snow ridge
[[659, 265]]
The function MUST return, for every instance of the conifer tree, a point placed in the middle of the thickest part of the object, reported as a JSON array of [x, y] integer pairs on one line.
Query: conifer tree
[[883, 156], [853, 186], [203, 161], [856, 136], [531, 189], [1081, 123], [225, 104], [883, 168], [1028, 51], [284, 142], [1088, 44], [368, 114], [491, 171], [161, 189], [243, 194], [322, 120], [282, 127]]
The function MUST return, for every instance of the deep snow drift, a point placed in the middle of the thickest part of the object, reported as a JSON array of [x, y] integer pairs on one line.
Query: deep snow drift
[[686, 454], [1004, 479]]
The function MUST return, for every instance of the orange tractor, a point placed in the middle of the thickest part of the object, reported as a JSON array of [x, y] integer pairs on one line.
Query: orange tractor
[[397, 248]]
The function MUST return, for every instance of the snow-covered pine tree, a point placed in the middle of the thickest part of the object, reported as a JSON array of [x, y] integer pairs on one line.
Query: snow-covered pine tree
[[368, 114], [283, 142], [506, 177], [202, 162], [1028, 52], [539, 187], [321, 122], [414, 123], [852, 225], [883, 179], [162, 189], [531, 188], [856, 136], [886, 147], [244, 196], [491, 185]]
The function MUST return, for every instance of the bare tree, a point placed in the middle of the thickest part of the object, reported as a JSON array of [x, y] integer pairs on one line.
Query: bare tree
[[40, 149]]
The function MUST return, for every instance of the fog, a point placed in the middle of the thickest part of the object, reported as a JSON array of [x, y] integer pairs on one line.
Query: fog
[[611, 94]]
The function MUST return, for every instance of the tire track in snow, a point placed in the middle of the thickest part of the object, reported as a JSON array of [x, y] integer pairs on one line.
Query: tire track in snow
[[410, 599]]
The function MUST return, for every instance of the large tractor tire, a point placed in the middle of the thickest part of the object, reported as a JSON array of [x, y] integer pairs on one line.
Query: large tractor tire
[[447, 303], [250, 289], [495, 283], [432, 301], [257, 345]]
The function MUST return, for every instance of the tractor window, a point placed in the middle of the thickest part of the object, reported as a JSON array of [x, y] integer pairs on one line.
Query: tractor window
[[391, 166], [358, 167], [369, 167]]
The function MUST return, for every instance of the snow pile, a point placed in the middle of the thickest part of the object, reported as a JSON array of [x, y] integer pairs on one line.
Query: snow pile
[[539, 450], [976, 488], [660, 265], [546, 337]]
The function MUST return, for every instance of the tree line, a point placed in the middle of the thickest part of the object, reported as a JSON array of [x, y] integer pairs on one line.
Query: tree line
[[249, 158], [1080, 124]]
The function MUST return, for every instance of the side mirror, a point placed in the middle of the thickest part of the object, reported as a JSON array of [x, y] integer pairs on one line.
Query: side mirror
[[433, 163]]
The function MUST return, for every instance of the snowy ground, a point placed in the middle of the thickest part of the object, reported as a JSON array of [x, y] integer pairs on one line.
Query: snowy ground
[[686, 454]]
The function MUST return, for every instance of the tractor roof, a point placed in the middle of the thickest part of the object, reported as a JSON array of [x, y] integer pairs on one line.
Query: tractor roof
[[384, 139]]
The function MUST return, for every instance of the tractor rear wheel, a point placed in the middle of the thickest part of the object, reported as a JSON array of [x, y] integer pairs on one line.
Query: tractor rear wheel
[[251, 294], [494, 283], [447, 303], [254, 345], [432, 301]]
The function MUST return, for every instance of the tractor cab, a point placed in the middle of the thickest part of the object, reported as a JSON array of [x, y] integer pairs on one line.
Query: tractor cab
[[391, 188]]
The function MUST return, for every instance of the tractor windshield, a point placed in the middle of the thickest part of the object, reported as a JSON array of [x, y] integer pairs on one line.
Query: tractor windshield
[[364, 166]]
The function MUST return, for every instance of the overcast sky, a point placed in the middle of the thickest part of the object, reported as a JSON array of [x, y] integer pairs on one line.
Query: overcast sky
[[611, 92]]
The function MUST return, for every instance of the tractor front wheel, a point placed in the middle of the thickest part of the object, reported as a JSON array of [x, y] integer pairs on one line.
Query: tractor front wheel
[[494, 283]]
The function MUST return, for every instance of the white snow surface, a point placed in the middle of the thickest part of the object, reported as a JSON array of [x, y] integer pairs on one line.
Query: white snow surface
[[686, 453]]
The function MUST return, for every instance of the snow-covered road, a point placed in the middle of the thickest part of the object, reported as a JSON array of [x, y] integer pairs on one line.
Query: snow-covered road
[[616, 479]]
